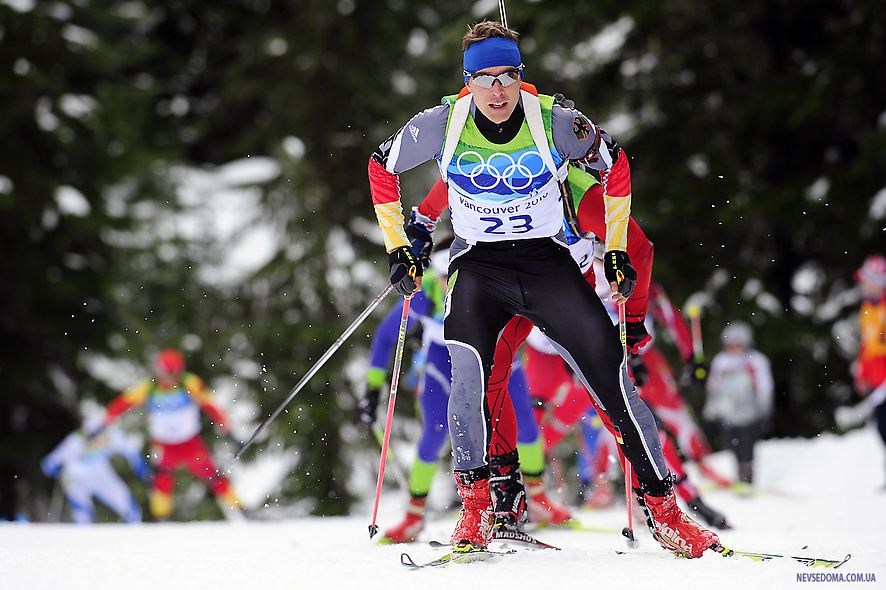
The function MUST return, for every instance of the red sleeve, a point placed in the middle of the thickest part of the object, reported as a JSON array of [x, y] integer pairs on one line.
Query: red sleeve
[[118, 406], [617, 180], [592, 218], [641, 252], [667, 314], [216, 415], [436, 201], [384, 185], [135, 396], [198, 391]]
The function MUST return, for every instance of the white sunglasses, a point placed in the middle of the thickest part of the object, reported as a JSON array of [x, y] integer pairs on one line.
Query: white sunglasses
[[488, 80]]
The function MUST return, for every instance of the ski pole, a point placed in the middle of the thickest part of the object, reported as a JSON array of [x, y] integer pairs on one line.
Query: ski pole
[[502, 11], [628, 531], [399, 472], [395, 378], [313, 370], [694, 312]]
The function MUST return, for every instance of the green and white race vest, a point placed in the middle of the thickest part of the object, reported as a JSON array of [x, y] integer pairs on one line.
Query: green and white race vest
[[503, 191]]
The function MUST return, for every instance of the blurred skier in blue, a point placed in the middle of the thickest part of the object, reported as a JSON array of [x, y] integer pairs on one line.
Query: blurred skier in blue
[[83, 465]]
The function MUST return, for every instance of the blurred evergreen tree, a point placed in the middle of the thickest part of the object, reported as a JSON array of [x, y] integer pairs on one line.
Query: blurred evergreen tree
[[748, 126]]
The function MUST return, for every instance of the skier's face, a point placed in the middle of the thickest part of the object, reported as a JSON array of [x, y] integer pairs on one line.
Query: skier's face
[[167, 376], [496, 103]]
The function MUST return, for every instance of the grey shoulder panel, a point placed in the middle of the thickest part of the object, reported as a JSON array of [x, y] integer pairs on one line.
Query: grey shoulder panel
[[577, 138], [417, 142]]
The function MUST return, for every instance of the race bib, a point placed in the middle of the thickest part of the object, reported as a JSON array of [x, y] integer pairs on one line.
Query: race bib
[[173, 417], [503, 197]]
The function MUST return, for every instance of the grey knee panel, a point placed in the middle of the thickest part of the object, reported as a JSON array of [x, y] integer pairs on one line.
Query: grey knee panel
[[468, 414]]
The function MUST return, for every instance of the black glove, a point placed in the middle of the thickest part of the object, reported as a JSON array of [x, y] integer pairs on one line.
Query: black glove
[[617, 269], [639, 370], [404, 269], [368, 406], [636, 336], [419, 230]]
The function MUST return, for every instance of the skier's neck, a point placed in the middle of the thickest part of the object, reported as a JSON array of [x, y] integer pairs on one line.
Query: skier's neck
[[166, 384], [500, 132]]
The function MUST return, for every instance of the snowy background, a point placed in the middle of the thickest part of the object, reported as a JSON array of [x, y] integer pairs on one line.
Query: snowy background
[[194, 175], [822, 498]]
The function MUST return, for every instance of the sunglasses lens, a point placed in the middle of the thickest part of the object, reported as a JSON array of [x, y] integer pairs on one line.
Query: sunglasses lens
[[509, 78], [484, 80], [487, 80]]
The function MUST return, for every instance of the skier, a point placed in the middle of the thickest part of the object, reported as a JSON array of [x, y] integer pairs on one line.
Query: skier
[[82, 463], [174, 401], [589, 220], [870, 367], [427, 308], [740, 390], [503, 150]]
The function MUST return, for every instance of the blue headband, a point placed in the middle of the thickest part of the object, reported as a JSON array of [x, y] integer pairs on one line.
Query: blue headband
[[490, 53]]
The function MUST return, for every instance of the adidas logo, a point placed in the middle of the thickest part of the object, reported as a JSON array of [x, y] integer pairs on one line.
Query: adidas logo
[[414, 131]]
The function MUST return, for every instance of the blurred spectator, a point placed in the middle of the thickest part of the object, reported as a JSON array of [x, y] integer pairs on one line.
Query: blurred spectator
[[174, 401], [870, 369], [740, 389], [83, 465]]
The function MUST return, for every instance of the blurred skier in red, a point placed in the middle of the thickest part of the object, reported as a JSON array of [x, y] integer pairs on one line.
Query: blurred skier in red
[[174, 400]]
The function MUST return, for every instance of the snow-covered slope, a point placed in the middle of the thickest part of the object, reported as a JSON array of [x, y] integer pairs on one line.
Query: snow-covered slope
[[825, 494]]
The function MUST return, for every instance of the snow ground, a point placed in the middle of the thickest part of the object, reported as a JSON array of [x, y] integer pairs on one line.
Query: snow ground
[[826, 494]]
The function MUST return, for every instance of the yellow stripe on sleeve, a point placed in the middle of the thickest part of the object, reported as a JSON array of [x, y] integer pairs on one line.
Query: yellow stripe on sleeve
[[390, 220], [618, 213], [137, 395], [197, 389]]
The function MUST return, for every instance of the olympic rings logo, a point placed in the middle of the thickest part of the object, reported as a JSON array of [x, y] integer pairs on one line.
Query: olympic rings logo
[[502, 175]]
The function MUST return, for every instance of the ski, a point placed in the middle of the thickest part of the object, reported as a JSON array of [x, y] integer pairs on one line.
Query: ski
[[459, 557], [807, 561], [508, 536], [761, 557], [505, 537]]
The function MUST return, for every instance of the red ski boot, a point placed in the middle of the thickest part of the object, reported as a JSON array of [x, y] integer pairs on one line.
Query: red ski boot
[[542, 509], [407, 531], [474, 527], [673, 530]]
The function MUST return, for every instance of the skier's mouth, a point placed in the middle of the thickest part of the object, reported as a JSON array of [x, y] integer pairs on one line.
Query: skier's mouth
[[498, 106]]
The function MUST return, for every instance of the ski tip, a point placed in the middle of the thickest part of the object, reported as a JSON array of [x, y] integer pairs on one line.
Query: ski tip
[[408, 561], [438, 544], [373, 530]]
